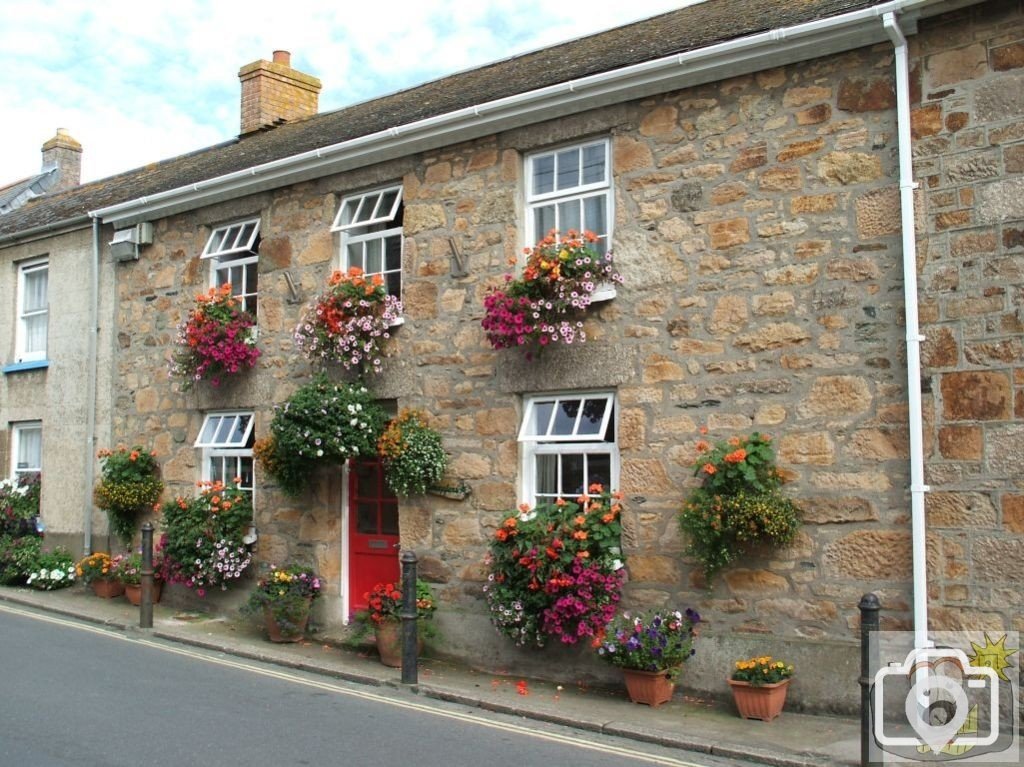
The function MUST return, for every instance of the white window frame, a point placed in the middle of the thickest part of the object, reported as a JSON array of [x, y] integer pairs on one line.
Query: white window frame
[[235, 246], [234, 446], [534, 443], [22, 354], [18, 434], [362, 219], [553, 198]]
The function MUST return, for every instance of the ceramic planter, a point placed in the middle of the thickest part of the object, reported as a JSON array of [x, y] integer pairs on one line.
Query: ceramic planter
[[652, 688], [762, 702], [389, 643], [133, 592]]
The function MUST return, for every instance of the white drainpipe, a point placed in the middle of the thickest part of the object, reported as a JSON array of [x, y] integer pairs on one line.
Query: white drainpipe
[[90, 387], [907, 186]]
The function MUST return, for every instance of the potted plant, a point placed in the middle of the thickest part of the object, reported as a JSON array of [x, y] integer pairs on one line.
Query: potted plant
[[759, 687], [544, 305], [556, 570], [128, 485], [202, 540], [412, 453], [284, 598], [97, 570], [322, 422], [384, 615], [738, 503], [349, 322], [53, 570], [218, 339], [129, 572], [650, 648]]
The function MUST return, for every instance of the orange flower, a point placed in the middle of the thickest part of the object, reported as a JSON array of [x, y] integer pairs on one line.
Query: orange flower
[[580, 535], [703, 429], [736, 456], [734, 441], [709, 468], [134, 455], [501, 535], [580, 520], [597, 487], [559, 502], [608, 518], [703, 446]]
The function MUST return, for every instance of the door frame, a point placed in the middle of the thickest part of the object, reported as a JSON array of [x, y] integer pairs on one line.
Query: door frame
[[346, 559]]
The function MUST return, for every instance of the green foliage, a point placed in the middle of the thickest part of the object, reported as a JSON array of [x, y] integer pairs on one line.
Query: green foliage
[[20, 542], [414, 458], [128, 485], [739, 503], [287, 593], [18, 557], [763, 670], [52, 570], [321, 422], [658, 640]]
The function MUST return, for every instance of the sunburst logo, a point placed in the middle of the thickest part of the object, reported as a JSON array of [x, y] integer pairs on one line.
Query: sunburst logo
[[993, 655]]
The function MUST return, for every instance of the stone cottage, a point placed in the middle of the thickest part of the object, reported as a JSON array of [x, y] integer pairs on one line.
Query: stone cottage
[[811, 204]]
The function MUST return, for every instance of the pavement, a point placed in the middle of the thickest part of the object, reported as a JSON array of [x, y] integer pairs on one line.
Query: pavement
[[687, 723]]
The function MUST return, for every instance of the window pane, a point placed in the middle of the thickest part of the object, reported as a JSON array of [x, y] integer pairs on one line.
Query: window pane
[[244, 472], [34, 299], [354, 254], [594, 214], [240, 423], [30, 448], [374, 257], [224, 430], [599, 469], [541, 417], [569, 216], [366, 518], [573, 475], [389, 519], [565, 417], [593, 164], [387, 201], [247, 232], [544, 174], [251, 279], [209, 429], [568, 168], [547, 475], [393, 283], [544, 221], [393, 253], [217, 469], [35, 333], [593, 415], [216, 239]]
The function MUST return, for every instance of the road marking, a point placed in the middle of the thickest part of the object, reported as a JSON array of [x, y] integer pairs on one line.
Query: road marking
[[470, 718]]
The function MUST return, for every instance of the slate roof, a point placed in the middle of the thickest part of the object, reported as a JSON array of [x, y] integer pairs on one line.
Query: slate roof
[[685, 29]]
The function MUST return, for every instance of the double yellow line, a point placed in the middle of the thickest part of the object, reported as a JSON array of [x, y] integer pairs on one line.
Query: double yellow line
[[469, 718]]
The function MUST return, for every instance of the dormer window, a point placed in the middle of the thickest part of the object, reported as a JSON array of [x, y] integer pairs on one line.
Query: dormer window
[[371, 235]]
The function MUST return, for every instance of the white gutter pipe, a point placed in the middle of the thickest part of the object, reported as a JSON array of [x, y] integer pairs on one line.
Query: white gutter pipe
[[748, 54], [90, 389], [914, 338]]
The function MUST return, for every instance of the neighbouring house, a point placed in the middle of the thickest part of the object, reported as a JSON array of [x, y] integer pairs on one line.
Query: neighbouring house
[[811, 204]]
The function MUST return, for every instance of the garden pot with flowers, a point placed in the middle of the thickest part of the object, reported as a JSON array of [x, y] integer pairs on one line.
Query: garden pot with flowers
[[217, 340], [349, 322], [202, 537], [283, 599], [97, 570], [759, 687], [650, 648], [129, 571], [738, 504], [321, 423], [546, 304], [129, 484], [556, 570], [414, 459], [383, 614]]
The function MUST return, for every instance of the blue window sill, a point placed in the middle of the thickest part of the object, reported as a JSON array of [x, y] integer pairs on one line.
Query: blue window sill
[[19, 367]]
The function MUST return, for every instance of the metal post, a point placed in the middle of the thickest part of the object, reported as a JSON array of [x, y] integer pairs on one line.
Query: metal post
[[409, 614], [869, 607], [146, 603]]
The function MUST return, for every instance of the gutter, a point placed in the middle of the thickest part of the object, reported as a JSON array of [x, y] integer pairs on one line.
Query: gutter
[[44, 230], [914, 338], [743, 55]]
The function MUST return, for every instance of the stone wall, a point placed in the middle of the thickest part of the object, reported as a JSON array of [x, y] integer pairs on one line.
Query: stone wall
[[757, 228]]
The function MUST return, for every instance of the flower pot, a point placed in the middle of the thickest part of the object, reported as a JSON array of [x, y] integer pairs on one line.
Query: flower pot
[[762, 702], [279, 632], [652, 688], [107, 588], [389, 643], [134, 592]]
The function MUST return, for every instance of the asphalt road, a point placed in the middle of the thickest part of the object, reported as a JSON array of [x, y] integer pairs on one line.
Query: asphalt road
[[77, 695]]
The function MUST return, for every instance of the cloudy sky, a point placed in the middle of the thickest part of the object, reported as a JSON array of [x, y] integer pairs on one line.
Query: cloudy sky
[[139, 81]]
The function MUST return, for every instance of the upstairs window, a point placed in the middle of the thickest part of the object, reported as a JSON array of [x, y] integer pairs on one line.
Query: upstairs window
[[570, 189], [233, 254], [371, 235], [33, 310], [226, 440], [26, 448], [567, 443]]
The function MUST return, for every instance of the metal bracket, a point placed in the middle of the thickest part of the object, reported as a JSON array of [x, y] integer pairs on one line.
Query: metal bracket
[[295, 299], [457, 262]]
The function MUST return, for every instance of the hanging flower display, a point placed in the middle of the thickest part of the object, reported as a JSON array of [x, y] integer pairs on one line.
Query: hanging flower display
[[544, 306], [349, 322], [216, 340]]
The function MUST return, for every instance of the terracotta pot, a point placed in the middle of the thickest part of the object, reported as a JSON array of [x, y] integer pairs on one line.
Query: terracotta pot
[[134, 592], [651, 688], [277, 632], [107, 588], [389, 643], [762, 702]]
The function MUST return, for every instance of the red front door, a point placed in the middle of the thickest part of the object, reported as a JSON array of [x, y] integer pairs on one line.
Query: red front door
[[373, 531]]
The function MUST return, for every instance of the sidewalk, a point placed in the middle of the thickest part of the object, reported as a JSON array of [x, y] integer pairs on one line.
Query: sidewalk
[[792, 740]]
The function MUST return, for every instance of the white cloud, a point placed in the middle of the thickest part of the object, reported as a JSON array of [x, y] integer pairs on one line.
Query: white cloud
[[140, 82]]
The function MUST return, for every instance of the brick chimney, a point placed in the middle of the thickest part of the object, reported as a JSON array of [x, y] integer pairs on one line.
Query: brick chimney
[[65, 154], [273, 92]]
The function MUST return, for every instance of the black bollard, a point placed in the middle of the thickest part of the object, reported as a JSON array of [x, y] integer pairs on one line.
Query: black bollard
[[869, 607], [146, 580], [409, 614]]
